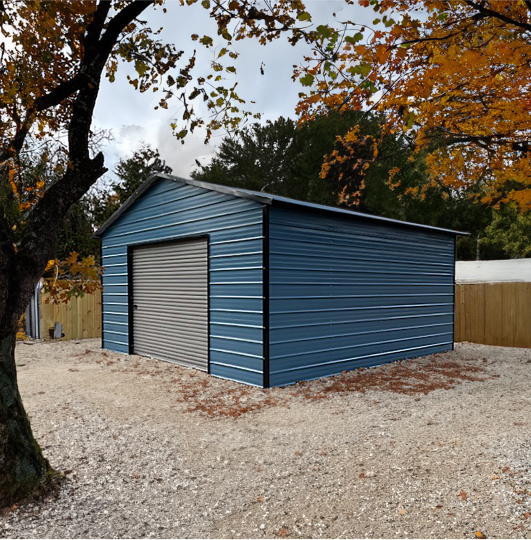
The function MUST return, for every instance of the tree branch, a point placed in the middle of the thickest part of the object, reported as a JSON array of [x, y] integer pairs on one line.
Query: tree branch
[[495, 14], [118, 23], [83, 171]]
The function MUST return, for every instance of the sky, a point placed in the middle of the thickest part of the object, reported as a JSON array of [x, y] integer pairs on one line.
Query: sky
[[133, 121]]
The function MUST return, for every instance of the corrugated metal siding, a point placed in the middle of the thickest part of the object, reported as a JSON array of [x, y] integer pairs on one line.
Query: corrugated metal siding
[[170, 297], [169, 210], [347, 293]]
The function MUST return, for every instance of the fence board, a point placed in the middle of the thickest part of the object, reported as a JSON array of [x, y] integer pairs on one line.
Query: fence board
[[81, 317], [494, 313], [523, 315]]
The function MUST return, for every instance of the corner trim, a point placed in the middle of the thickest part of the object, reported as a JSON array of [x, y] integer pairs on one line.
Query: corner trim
[[130, 300], [453, 311], [265, 293]]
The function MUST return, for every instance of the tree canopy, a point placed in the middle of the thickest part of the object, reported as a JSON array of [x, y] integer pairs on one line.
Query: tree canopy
[[452, 76], [131, 173], [286, 159]]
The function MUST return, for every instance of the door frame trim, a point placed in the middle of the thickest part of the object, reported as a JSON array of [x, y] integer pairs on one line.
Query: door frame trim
[[130, 298]]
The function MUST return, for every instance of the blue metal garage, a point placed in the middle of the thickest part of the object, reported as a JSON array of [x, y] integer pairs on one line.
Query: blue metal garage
[[267, 290]]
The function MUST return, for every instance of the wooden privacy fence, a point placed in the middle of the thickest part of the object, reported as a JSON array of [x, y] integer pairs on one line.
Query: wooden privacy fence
[[489, 313], [493, 313], [81, 317]]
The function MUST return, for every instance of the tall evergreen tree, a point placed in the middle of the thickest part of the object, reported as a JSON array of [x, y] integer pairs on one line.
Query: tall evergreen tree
[[132, 172]]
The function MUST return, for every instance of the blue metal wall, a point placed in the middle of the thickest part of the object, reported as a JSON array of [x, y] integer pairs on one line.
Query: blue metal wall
[[346, 293], [169, 210]]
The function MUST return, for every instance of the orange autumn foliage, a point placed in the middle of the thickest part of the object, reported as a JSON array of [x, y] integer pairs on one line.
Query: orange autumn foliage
[[453, 77], [71, 277]]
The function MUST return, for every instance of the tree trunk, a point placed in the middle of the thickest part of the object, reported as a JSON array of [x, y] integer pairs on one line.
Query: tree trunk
[[23, 469]]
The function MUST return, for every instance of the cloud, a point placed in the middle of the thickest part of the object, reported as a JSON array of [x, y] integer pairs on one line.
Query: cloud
[[132, 116]]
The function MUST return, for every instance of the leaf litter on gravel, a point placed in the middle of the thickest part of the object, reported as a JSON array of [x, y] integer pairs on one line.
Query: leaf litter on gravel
[[215, 398]]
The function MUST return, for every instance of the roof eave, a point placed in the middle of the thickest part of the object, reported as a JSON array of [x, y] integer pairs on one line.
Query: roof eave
[[264, 198]]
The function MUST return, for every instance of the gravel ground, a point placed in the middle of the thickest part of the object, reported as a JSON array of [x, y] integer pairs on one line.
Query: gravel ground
[[433, 447]]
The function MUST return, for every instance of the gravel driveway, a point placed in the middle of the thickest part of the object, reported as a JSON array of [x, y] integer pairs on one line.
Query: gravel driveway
[[434, 447]]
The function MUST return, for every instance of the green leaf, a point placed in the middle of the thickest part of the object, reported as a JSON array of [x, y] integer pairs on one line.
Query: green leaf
[[304, 16], [354, 39], [377, 21], [409, 119], [363, 69], [140, 67], [307, 80], [368, 85], [223, 52], [206, 41], [324, 31], [230, 69], [206, 4]]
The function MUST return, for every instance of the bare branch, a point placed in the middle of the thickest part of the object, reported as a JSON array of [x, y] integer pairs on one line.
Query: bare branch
[[496, 15]]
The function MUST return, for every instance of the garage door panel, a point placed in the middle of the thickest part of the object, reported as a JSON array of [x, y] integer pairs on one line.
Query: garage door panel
[[170, 299]]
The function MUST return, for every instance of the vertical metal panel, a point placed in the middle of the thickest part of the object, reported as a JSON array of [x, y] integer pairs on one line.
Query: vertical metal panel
[[169, 210], [170, 301], [346, 293]]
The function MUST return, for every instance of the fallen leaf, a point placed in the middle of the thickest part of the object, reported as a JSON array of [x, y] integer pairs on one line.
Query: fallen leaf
[[298, 453], [519, 501], [495, 477], [362, 475], [282, 532], [479, 534], [462, 495], [526, 515], [438, 507], [402, 512], [260, 499]]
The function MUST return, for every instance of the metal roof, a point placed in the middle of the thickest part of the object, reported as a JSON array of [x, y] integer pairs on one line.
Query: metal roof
[[263, 198]]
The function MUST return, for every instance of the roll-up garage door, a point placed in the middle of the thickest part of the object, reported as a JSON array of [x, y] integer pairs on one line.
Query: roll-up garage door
[[170, 302]]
